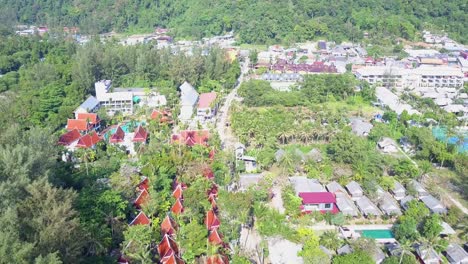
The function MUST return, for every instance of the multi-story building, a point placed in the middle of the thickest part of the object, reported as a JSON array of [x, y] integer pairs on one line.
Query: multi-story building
[[424, 76]]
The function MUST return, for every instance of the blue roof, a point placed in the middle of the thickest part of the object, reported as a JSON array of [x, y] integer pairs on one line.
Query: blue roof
[[89, 103]]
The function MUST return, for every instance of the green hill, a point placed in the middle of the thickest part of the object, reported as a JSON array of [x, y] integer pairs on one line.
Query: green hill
[[255, 21]]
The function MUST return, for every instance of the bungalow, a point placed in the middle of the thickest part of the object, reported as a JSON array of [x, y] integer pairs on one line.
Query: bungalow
[[118, 136], [167, 248], [354, 190], [140, 134], [428, 256], [302, 184], [90, 105], [387, 145], [217, 259], [168, 226], [78, 124], [206, 106], [345, 204], [214, 237], [434, 205], [335, 187], [404, 202], [188, 99], [177, 208], [366, 207], [318, 201], [88, 140], [211, 221], [360, 127], [69, 138], [250, 163], [239, 149], [141, 219], [398, 191], [416, 186], [91, 118], [192, 137], [456, 254], [142, 198], [388, 205]]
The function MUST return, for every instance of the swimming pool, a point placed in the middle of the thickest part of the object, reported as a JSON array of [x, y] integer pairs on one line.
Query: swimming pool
[[377, 234]]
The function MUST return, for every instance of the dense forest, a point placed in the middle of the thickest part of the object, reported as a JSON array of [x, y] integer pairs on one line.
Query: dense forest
[[254, 21]]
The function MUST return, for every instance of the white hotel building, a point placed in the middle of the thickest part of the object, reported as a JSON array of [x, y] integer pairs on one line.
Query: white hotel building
[[424, 76]]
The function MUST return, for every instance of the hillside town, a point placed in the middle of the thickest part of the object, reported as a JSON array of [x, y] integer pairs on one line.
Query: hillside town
[[339, 173]]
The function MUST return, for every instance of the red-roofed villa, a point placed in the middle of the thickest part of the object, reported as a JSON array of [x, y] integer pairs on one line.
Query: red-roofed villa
[[318, 201], [206, 106], [70, 137], [140, 134], [118, 136], [140, 219]]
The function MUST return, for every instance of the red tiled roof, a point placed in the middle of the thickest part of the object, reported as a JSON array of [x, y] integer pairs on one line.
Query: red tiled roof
[[140, 134], [211, 220], [172, 259], [217, 259], [317, 197], [164, 116], [142, 198], [92, 118], [178, 191], [118, 136], [215, 238], [213, 191], [88, 140], [168, 226], [69, 137], [208, 173], [144, 184], [140, 219], [206, 99], [192, 137], [167, 246], [79, 124], [177, 208]]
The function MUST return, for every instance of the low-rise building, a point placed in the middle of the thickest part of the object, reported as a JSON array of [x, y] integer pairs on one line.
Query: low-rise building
[[456, 254], [90, 105], [354, 190], [188, 99], [366, 207], [434, 205], [398, 191], [207, 106]]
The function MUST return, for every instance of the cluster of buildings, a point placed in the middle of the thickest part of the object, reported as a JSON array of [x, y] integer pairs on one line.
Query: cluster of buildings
[[195, 107]]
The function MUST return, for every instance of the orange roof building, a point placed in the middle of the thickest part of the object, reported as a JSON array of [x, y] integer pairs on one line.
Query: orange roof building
[[91, 118], [142, 199], [211, 221], [140, 134], [208, 173], [69, 137], [172, 259], [140, 219], [78, 124], [168, 226], [192, 137], [118, 136], [215, 238], [88, 140], [217, 259], [177, 208], [167, 246], [144, 184], [178, 191]]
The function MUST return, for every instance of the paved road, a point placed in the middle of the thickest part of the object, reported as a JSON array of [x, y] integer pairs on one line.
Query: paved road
[[224, 132]]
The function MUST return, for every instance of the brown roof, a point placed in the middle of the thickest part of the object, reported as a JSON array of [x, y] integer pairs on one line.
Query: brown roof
[[143, 198], [140, 134], [178, 191], [217, 259], [118, 136], [215, 238], [167, 246], [88, 140], [141, 219], [79, 124], [168, 226], [92, 118], [69, 137], [211, 220], [177, 208]]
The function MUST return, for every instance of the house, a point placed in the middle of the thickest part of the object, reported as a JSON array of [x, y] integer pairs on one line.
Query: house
[[192, 137], [302, 184], [249, 179], [217, 259], [118, 136], [250, 163], [394, 249], [345, 204], [398, 191], [69, 138], [456, 254], [378, 256], [427, 256], [188, 99], [346, 249], [178, 191], [168, 226], [318, 201], [163, 116], [78, 124], [140, 134], [211, 221], [90, 105], [91, 118], [214, 237], [177, 208], [416, 186], [387, 145], [388, 205], [88, 140], [167, 247], [404, 202], [354, 190], [142, 198], [434, 205], [206, 106], [447, 230], [141, 219], [360, 127], [335, 187], [366, 207]]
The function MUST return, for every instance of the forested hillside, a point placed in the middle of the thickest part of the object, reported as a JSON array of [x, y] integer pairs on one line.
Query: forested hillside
[[256, 21]]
